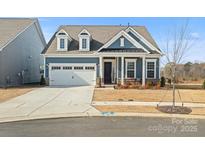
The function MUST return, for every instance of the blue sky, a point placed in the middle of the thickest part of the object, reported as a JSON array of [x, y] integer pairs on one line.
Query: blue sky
[[158, 28]]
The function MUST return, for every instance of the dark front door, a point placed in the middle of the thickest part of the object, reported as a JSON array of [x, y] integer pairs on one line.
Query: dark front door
[[107, 72]]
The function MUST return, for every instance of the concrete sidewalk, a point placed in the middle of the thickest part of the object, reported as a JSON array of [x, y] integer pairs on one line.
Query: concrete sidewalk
[[133, 103]]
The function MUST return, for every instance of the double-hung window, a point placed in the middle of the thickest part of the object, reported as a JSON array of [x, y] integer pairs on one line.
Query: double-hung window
[[130, 68], [62, 43], [84, 43], [151, 69]]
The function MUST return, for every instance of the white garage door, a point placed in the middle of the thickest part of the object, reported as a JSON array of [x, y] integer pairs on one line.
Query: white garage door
[[72, 74]]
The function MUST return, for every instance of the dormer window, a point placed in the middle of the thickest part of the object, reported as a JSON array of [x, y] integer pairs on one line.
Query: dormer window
[[84, 43], [63, 40], [84, 40], [62, 43]]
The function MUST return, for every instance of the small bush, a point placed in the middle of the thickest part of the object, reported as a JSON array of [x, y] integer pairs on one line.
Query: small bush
[[149, 84], [204, 84], [43, 81], [169, 81], [162, 81]]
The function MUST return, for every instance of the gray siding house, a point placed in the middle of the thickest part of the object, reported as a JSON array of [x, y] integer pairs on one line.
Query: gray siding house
[[21, 44], [105, 55]]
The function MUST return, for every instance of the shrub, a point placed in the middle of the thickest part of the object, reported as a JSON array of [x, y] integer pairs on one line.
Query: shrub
[[162, 81], [149, 84], [169, 81], [43, 81], [204, 84]]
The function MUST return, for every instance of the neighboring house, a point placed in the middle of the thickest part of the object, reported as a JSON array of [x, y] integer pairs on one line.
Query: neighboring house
[[86, 55], [21, 44]]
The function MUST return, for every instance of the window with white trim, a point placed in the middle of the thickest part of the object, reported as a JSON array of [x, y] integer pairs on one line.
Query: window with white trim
[[84, 43], [130, 68], [122, 42], [63, 40], [62, 43], [151, 69], [84, 40]]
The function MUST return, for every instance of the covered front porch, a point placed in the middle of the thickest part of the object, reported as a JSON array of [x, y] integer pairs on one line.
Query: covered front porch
[[119, 69]]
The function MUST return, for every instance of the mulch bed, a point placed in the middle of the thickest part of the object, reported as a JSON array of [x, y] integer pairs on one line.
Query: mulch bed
[[175, 109]]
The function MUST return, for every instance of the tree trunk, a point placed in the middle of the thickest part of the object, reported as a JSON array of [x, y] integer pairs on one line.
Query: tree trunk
[[173, 94], [174, 71]]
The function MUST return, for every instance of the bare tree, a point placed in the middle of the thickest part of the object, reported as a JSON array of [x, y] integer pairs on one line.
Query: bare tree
[[177, 46]]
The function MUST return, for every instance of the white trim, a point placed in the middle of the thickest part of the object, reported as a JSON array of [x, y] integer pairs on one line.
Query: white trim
[[159, 69], [155, 62], [101, 68], [128, 55], [84, 31], [117, 71], [113, 71], [88, 39], [40, 32], [143, 39], [127, 36], [130, 60], [62, 36], [65, 37], [143, 71], [105, 55], [81, 43], [71, 55], [44, 65], [122, 70]]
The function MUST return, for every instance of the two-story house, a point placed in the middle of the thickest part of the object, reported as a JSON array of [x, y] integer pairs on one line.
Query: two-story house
[[21, 44]]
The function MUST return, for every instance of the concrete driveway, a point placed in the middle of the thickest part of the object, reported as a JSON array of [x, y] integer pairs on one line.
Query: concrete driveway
[[48, 102]]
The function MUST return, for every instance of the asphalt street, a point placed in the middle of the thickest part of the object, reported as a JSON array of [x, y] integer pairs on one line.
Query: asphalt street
[[104, 127]]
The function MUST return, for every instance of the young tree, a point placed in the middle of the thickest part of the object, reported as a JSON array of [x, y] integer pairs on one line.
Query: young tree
[[177, 46]]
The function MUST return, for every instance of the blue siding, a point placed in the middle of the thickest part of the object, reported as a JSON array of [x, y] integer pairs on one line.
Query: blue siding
[[139, 41], [127, 44], [71, 60]]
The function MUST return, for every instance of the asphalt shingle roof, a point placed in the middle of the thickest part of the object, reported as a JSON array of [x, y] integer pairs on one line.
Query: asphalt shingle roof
[[11, 27], [100, 35]]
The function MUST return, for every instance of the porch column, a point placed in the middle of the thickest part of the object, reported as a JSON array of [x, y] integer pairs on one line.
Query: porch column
[[143, 71], [122, 70], [101, 65]]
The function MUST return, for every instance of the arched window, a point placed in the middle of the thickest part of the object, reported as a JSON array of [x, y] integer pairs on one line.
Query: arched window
[[84, 40], [63, 40]]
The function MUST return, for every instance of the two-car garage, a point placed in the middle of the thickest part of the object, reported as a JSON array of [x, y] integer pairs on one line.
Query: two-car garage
[[72, 74]]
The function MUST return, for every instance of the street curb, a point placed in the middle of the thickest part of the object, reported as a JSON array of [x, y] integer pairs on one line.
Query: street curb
[[108, 114]]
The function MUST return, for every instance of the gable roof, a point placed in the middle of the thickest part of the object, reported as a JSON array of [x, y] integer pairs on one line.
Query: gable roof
[[100, 36], [12, 27], [127, 36]]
